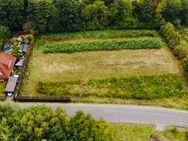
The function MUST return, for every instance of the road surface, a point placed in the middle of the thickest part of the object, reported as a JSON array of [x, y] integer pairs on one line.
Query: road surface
[[161, 117]]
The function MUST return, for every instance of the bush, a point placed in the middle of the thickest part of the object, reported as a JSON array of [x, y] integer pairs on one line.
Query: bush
[[142, 43], [170, 34], [4, 32], [137, 87]]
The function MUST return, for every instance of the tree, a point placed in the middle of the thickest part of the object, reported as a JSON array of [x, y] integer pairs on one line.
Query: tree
[[69, 13], [43, 14], [11, 13], [121, 13], [42, 123], [184, 12], [95, 15], [144, 11], [172, 11]]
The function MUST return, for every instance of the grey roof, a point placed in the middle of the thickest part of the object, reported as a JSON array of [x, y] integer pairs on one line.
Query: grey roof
[[11, 84], [20, 62], [24, 47]]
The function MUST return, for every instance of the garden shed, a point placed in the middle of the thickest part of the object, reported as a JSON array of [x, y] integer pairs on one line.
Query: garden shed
[[11, 85]]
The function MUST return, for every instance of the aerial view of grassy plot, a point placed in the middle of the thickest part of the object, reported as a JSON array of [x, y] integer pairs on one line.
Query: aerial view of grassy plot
[[110, 66]]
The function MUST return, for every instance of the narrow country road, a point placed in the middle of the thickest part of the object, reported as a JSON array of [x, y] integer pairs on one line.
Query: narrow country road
[[161, 117]]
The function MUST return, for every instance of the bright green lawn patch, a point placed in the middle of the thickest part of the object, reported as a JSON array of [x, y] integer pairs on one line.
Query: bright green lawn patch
[[99, 34], [136, 87], [2, 88], [142, 43], [135, 132]]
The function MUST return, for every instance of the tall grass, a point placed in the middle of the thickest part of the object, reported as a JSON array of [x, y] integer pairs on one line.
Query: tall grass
[[136, 87], [99, 34], [141, 43]]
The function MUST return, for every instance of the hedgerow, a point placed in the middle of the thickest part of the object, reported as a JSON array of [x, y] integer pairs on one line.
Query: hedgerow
[[136, 87], [170, 34], [99, 34], [142, 43]]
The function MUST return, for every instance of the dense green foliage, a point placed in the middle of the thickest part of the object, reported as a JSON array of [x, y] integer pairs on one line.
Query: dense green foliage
[[4, 34], [42, 123], [76, 15], [142, 43], [137, 87], [170, 34], [11, 13]]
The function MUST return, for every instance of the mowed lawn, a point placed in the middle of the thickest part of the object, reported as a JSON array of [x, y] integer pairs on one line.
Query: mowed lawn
[[91, 66]]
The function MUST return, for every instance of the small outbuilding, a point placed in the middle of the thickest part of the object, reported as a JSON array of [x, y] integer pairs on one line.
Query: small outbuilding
[[23, 47], [11, 85], [20, 62]]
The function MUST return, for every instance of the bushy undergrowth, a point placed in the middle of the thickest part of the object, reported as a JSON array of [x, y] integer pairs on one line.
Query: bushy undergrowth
[[142, 43], [170, 34], [99, 34], [136, 87]]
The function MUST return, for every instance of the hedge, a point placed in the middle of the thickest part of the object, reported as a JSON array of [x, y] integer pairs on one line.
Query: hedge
[[143, 43], [42, 99], [136, 87], [172, 37]]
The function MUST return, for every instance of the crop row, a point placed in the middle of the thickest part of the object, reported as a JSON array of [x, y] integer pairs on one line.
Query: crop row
[[141, 43], [136, 87]]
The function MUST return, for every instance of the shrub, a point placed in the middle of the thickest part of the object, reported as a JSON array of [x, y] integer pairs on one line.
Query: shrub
[[142, 43], [4, 32], [170, 34], [136, 87]]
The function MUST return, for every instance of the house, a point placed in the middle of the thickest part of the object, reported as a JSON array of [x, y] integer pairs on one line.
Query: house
[[7, 62]]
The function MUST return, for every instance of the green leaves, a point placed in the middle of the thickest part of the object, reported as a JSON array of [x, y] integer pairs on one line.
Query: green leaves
[[142, 43], [41, 123]]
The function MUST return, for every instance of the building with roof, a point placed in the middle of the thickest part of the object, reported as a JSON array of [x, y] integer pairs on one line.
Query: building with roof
[[11, 85], [7, 62]]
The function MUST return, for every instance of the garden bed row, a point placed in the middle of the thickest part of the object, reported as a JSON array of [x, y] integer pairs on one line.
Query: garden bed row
[[140, 43]]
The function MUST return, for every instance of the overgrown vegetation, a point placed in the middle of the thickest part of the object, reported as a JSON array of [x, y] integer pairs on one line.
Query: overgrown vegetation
[[141, 87], [98, 34], [142, 43], [42, 123], [170, 34]]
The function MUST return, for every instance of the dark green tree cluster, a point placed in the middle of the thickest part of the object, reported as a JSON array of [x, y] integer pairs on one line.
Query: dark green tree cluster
[[75, 15], [42, 123]]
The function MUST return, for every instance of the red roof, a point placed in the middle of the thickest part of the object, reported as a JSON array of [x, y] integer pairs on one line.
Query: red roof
[[7, 62]]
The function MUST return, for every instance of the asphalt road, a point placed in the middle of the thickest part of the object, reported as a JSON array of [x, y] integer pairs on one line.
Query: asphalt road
[[161, 117]]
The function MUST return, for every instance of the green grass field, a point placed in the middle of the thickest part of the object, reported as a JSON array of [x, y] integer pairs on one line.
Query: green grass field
[[135, 132], [2, 88], [97, 66]]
